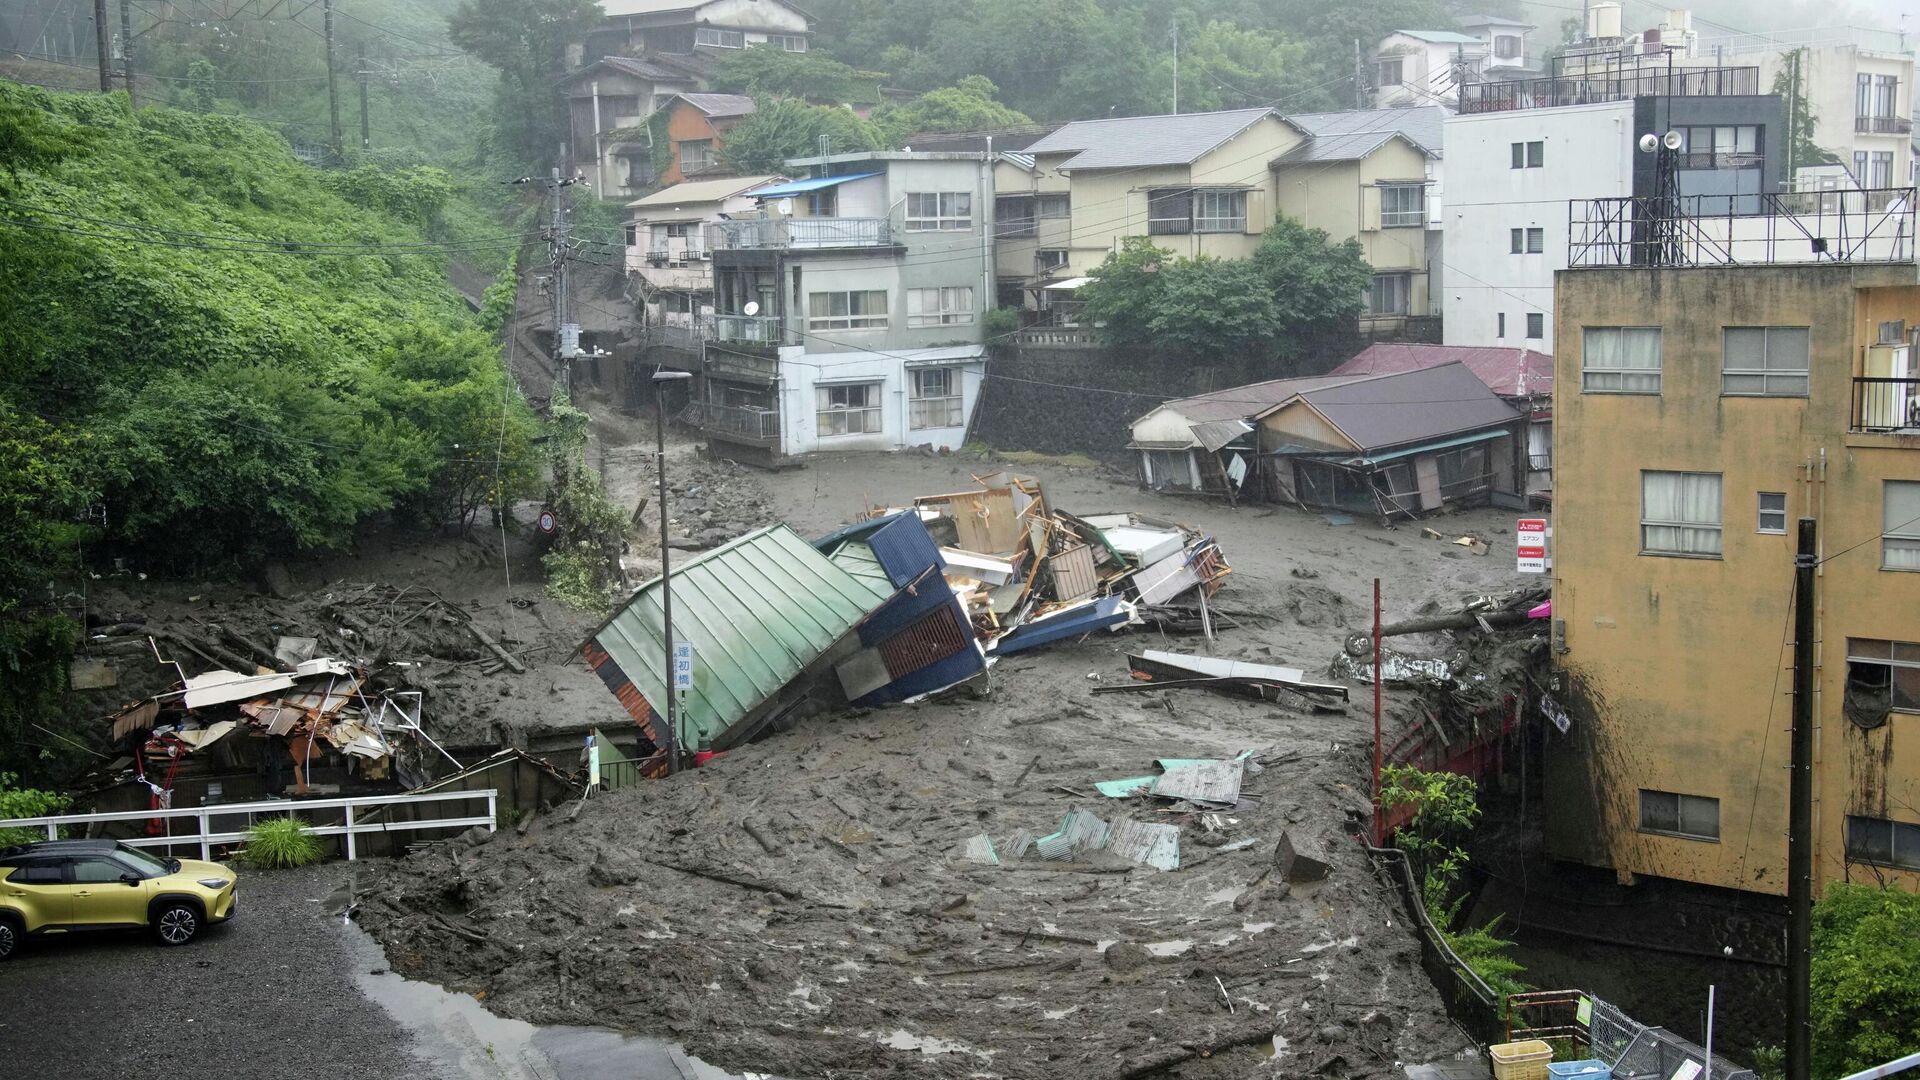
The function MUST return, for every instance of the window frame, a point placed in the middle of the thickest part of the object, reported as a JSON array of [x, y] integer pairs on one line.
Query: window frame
[[1895, 657], [1718, 527], [1009, 220], [1894, 829], [1398, 65], [1047, 260], [705, 160], [920, 404], [942, 314], [1045, 199], [1500, 325], [1403, 217], [1679, 816], [1903, 536], [1405, 282], [1588, 370], [788, 41], [869, 410], [1762, 513], [952, 211], [1162, 220], [722, 38], [1764, 372], [849, 319], [1539, 319], [1208, 204]]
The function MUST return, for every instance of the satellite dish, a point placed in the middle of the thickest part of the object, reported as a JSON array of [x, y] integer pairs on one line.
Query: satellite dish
[[786, 207], [1672, 141], [1649, 143], [752, 308]]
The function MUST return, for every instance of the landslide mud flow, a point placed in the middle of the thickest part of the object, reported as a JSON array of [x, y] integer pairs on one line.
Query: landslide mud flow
[[865, 944]]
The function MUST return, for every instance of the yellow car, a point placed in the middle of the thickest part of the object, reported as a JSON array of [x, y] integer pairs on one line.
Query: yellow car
[[60, 886]]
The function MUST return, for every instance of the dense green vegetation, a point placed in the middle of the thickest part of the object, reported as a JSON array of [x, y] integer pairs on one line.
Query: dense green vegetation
[[215, 354], [1289, 309], [280, 844], [1866, 978]]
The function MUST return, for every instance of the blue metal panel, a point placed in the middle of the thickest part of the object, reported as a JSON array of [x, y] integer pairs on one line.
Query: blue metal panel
[[899, 541], [1105, 612], [801, 187]]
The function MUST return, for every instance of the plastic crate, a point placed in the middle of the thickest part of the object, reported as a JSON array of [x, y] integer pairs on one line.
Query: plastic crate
[[1521, 1060], [1590, 1069]]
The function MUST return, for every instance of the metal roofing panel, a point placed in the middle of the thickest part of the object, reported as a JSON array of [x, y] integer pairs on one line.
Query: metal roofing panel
[[1244, 402], [720, 105], [703, 191], [1214, 434], [1323, 148], [817, 183], [1411, 406], [1507, 371], [1135, 141], [1441, 37], [1424, 125], [1441, 444], [756, 611]]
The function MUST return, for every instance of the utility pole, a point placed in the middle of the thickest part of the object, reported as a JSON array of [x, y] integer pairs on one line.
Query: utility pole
[[1379, 814], [558, 253], [1800, 814], [333, 92], [1176, 69], [366, 132], [126, 50], [1793, 114], [1359, 78], [100, 42]]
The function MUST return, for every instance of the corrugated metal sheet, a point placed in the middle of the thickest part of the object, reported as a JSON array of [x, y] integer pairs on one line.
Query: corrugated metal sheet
[[1215, 782], [1148, 843], [756, 611], [1214, 434], [1073, 571]]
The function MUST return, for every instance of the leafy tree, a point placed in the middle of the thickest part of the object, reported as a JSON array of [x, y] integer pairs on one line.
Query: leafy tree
[[1865, 978], [1319, 287], [770, 71], [786, 128], [1801, 120], [1223, 66], [973, 105], [526, 41], [1126, 290]]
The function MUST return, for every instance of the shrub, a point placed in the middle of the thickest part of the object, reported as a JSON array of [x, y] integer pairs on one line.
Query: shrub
[[280, 843], [18, 802]]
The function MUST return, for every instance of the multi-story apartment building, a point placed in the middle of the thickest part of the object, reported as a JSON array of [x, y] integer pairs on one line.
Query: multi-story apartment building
[[1519, 152], [1427, 67], [1717, 380], [851, 308]]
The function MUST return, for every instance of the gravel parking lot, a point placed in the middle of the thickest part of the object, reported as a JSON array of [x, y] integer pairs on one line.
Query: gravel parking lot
[[270, 994]]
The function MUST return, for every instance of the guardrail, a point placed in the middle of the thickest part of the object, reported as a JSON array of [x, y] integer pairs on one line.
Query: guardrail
[[1886, 404], [206, 838], [1849, 226], [1882, 125]]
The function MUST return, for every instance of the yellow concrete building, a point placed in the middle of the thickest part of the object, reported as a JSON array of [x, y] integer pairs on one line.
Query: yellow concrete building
[[1701, 411]]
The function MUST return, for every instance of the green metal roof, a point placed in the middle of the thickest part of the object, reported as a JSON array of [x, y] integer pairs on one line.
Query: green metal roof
[[858, 559], [757, 612]]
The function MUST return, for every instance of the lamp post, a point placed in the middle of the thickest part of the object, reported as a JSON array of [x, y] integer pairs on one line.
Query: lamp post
[[661, 379]]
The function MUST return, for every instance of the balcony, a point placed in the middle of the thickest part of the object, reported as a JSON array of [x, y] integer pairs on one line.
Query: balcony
[[678, 257], [687, 337], [799, 233], [1607, 84], [757, 330], [1886, 406], [734, 422], [1882, 125]]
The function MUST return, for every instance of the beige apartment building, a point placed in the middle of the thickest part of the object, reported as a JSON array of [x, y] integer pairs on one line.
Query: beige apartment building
[[1704, 405]]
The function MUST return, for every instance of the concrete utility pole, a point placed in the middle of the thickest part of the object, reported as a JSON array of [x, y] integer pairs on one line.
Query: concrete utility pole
[[1359, 78], [1800, 814], [100, 42], [566, 340], [126, 50], [333, 91], [366, 132], [1176, 69], [661, 379]]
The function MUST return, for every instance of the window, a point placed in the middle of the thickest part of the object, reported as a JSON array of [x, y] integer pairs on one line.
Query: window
[[789, 42], [847, 410], [1900, 525], [1882, 677], [824, 203], [42, 873], [1690, 817], [1725, 146], [1389, 71], [1389, 294], [1500, 325], [1506, 46], [679, 230], [1057, 206], [1169, 212], [696, 154], [633, 235], [1874, 96], [1893, 332], [940, 307], [1013, 216], [1051, 259], [1763, 361], [1526, 241], [97, 871], [1403, 205], [1220, 211], [1536, 325], [719, 39], [1620, 360], [1680, 514], [866, 310], [1889, 843], [1529, 155], [939, 211], [1773, 513], [935, 401]]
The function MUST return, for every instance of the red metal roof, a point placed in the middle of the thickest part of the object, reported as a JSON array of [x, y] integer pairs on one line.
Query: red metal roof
[[1508, 372]]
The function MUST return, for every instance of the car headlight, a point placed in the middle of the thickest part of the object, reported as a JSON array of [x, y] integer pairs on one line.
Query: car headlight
[[215, 883]]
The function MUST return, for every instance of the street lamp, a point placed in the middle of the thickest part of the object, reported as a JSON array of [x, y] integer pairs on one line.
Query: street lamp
[[661, 379]]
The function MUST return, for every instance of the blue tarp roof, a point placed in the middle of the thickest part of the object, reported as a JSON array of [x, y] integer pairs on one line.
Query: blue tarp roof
[[801, 187]]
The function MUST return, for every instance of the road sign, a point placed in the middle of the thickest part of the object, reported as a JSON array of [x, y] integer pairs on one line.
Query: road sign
[[683, 666], [548, 523], [1530, 545]]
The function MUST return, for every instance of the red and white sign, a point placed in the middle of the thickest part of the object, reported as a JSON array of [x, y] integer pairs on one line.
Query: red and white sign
[[1530, 544]]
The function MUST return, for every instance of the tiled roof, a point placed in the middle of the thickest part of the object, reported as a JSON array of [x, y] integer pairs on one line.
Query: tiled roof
[[1410, 406], [1139, 141], [720, 106], [1422, 125]]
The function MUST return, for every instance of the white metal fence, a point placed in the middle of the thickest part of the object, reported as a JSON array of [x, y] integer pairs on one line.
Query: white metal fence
[[348, 827]]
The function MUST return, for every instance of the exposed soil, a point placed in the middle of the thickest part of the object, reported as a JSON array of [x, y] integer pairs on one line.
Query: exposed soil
[[865, 943]]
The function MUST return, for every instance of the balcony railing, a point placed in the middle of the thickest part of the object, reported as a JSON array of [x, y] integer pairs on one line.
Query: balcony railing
[[1886, 405], [1607, 84], [786, 233], [747, 329], [680, 257], [687, 337], [1873, 226], [741, 422], [1882, 125]]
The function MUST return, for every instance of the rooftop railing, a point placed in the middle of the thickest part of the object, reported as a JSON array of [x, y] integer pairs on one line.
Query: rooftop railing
[[1608, 83], [1871, 226]]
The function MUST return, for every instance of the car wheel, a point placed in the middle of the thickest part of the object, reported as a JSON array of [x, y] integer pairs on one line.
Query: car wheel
[[176, 923], [9, 938]]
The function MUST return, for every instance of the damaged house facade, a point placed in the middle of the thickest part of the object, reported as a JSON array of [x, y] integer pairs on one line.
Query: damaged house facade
[[1704, 409], [850, 309], [668, 264], [1393, 445]]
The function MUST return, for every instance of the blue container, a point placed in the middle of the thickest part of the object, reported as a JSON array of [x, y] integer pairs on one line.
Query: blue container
[[1579, 1070]]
